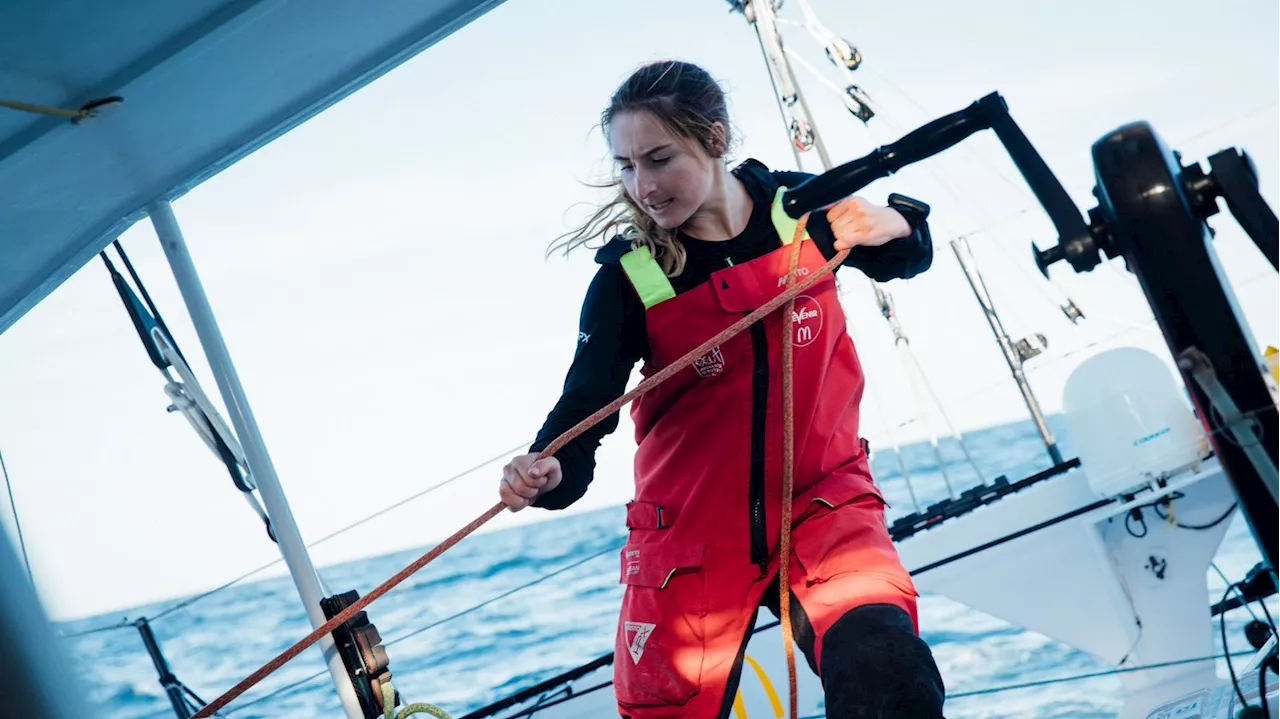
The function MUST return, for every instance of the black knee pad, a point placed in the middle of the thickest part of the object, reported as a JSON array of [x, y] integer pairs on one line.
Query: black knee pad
[[875, 667]]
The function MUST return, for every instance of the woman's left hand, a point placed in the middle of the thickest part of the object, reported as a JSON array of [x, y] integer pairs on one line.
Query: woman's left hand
[[854, 221]]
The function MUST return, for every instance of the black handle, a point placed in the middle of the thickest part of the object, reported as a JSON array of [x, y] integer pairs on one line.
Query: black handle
[[921, 143]]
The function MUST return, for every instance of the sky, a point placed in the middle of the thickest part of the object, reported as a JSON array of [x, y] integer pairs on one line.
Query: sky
[[380, 275]]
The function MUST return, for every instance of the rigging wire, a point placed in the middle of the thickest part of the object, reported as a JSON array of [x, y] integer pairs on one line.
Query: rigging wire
[[1234, 120], [792, 54], [956, 695], [464, 612], [125, 623], [188, 602], [191, 706], [428, 490], [146, 296], [1044, 361], [198, 704], [504, 595], [22, 542], [877, 408], [1092, 675]]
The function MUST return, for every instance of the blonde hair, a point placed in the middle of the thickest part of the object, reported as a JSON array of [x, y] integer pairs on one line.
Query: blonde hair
[[689, 104]]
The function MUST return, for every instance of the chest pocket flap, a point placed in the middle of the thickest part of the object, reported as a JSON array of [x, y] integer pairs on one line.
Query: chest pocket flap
[[745, 287]]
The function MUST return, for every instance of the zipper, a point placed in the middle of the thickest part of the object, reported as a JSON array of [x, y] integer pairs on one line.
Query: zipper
[[759, 412], [759, 407]]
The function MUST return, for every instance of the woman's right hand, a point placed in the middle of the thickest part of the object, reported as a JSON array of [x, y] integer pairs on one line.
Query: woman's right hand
[[524, 480]]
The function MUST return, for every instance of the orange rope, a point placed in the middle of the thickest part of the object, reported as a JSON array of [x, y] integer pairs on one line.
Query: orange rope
[[787, 296], [788, 468]]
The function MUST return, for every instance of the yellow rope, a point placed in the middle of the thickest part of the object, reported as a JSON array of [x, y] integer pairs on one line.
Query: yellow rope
[[389, 706]]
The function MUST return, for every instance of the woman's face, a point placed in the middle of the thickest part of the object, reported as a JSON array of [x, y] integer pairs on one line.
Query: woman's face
[[669, 177]]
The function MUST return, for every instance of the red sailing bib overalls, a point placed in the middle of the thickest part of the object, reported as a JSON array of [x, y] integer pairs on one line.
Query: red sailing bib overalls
[[704, 523]]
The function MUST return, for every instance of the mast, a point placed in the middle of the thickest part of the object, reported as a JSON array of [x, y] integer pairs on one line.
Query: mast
[[289, 539]]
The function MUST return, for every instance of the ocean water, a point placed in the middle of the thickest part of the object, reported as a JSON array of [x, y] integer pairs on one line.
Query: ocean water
[[460, 637]]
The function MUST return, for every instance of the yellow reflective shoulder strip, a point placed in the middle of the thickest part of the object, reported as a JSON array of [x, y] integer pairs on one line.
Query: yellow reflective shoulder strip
[[647, 277], [782, 222]]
